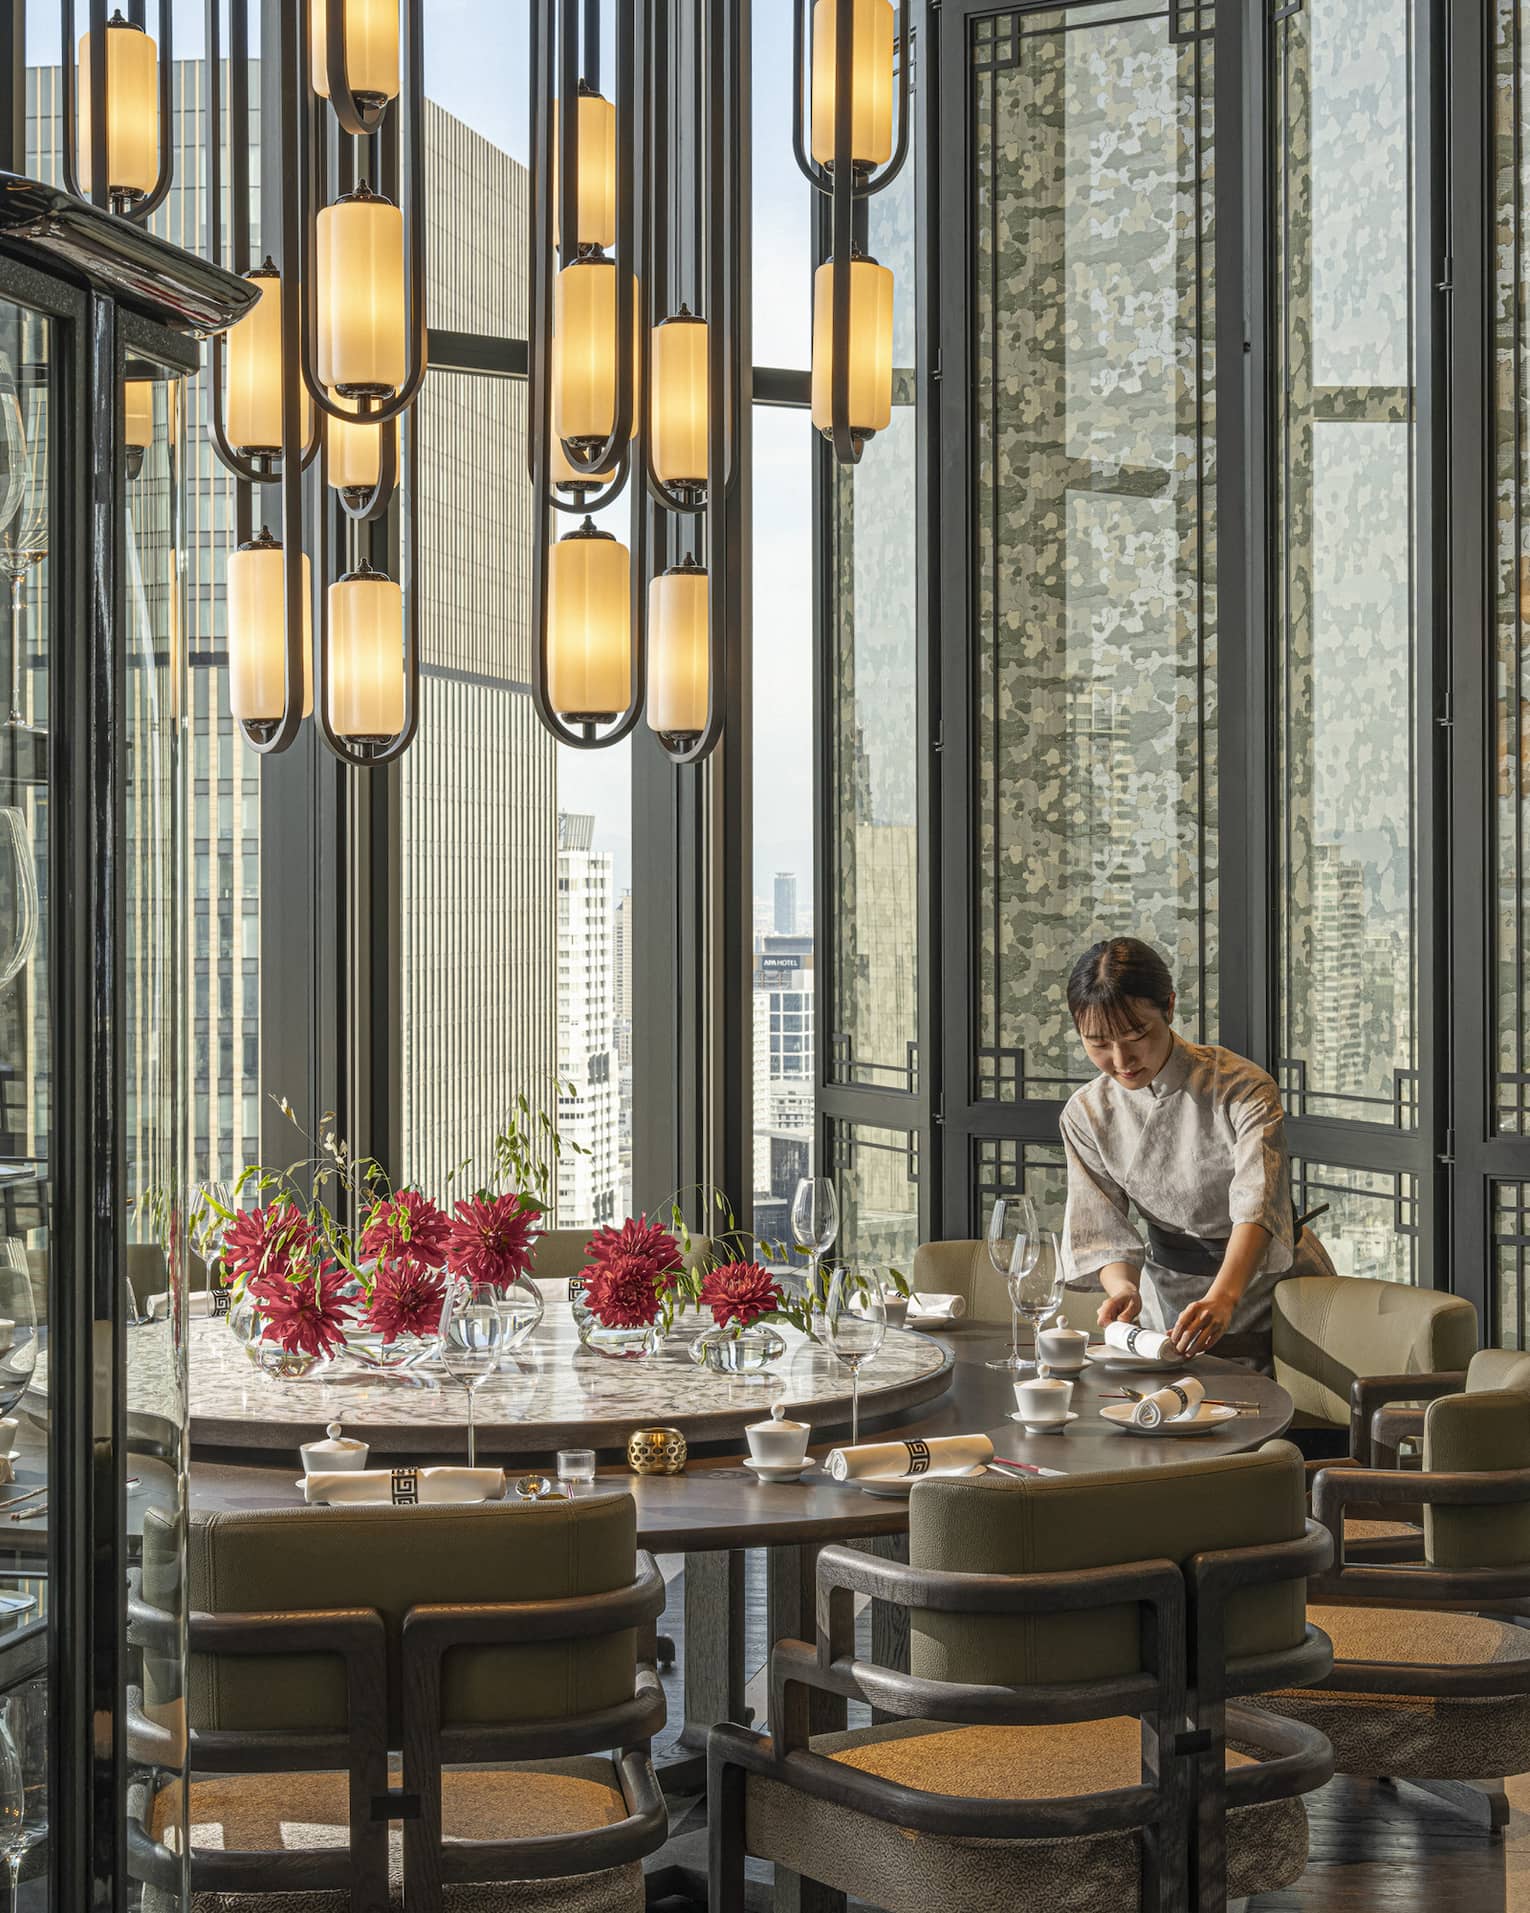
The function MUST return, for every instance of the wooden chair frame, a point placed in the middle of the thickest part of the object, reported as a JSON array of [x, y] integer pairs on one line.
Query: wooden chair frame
[[361, 1750], [1180, 1696]]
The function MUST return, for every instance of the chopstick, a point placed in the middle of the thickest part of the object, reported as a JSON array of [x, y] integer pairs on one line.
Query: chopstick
[[1210, 1401], [1021, 1467], [30, 1495]]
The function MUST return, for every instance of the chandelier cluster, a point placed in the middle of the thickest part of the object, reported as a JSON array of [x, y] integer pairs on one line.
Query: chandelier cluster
[[325, 368], [634, 364], [848, 66]]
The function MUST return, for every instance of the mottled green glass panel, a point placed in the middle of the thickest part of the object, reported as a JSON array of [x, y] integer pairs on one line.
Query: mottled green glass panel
[[1371, 1227], [1510, 1300], [1038, 1170], [1092, 423], [1345, 484], [876, 1172], [1511, 595]]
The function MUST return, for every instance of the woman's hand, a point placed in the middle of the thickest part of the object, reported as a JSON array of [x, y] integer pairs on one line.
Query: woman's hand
[[1125, 1307], [1202, 1324]]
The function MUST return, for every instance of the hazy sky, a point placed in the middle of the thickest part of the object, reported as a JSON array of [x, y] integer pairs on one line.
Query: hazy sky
[[476, 66]]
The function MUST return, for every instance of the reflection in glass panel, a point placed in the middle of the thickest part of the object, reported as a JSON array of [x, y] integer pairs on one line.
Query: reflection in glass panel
[[1095, 560], [1511, 598], [876, 1174], [28, 448], [1345, 482], [1001, 1166], [1371, 1227], [1509, 1302]]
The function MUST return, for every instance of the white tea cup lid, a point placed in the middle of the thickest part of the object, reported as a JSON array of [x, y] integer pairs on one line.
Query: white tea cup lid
[[335, 1443], [778, 1419]]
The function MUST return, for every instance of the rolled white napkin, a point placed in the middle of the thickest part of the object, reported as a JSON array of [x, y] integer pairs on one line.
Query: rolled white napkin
[[405, 1487], [1133, 1339], [948, 1308], [945, 1455], [1169, 1403]]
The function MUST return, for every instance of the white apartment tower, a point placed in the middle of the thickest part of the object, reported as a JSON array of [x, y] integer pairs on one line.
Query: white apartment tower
[[589, 1171]]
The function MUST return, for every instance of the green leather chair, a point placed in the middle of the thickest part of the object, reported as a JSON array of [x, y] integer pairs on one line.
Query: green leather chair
[[1431, 1676], [443, 1672], [1064, 1739]]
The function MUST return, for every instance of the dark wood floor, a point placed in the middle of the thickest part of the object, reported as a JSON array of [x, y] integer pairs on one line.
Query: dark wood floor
[[1374, 1848]]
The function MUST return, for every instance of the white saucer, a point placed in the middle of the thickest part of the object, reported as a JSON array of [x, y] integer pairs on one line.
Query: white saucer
[[780, 1470], [1205, 1419], [1043, 1427], [896, 1487], [1104, 1356]]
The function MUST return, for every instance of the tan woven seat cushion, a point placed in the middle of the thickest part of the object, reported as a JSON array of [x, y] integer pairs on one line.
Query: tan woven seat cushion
[[1380, 1530], [285, 1812], [1418, 1735], [912, 1872]]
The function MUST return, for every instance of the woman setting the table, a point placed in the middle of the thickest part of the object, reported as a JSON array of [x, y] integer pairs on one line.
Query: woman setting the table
[[1193, 1137]]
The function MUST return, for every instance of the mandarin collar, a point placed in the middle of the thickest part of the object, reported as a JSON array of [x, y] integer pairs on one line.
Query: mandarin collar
[[1175, 1072]]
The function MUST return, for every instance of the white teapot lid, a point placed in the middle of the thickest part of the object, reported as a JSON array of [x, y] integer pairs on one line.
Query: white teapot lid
[[778, 1419], [335, 1443]]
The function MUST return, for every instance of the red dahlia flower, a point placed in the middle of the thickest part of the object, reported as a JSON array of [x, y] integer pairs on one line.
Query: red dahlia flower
[[406, 1227], [739, 1292], [270, 1241], [489, 1242], [622, 1292], [406, 1300], [641, 1241], [305, 1312]]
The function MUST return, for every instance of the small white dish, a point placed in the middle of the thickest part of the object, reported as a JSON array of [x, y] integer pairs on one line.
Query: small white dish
[[1043, 1427], [896, 1487], [1203, 1422], [780, 1470], [1104, 1356]]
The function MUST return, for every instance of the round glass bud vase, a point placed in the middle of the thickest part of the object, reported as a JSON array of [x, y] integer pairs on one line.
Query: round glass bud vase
[[743, 1353], [247, 1325], [621, 1344]]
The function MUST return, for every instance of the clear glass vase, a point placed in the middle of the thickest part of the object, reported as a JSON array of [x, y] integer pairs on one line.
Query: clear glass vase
[[740, 1352], [621, 1344]]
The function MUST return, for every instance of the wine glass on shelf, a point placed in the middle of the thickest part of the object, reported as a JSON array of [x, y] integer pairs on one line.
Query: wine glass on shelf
[[815, 1224], [856, 1319], [1013, 1247], [479, 1328], [23, 1785]]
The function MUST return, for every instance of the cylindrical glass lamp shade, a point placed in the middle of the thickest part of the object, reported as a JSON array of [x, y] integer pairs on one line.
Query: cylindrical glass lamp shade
[[679, 658], [597, 172], [589, 626], [366, 656], [371, 48], [360, 346], [871, 81], [353, 459], [565, 475], [132, 111], [138, 414], [870, 351], [584, 352], [257, 633], [255, 374], [678, 400]]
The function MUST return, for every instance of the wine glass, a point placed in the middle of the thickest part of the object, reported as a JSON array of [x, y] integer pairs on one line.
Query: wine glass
[[18, 1324], [23, 1782], [1013, 1247], [857, 1321], [815, 1224], [479, 1328], [1037, 1291], [24, 494]]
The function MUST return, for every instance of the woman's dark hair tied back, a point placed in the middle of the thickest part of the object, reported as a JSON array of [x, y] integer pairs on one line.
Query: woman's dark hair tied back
[[1109, 977]]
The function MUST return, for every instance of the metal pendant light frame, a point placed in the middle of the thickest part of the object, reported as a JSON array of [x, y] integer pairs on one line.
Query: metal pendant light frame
[[142, 207], [848, 187]]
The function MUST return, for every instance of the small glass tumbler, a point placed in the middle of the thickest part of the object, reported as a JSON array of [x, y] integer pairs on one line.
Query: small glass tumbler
[[576, 1469]]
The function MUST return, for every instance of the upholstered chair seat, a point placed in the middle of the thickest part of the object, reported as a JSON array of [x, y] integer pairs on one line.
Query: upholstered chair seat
[[908, 1872]]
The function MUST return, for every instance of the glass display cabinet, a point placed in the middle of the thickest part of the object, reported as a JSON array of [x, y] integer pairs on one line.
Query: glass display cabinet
[[100, 324]]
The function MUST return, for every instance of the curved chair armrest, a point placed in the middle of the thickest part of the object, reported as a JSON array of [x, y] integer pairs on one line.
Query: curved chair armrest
[[1367, 1393], [1390, 1428], [1215, 1574], [1289, 1756], [1418, 1586]]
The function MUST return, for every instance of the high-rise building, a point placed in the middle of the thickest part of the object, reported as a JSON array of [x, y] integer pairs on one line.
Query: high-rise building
[[783, 1074], [589, 1169], [786, 903]]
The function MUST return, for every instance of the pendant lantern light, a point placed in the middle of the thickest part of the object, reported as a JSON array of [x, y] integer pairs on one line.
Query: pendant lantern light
[[614, 629], [678, 653], [330, 359], [137, 421], [120, 123], [850, 60]]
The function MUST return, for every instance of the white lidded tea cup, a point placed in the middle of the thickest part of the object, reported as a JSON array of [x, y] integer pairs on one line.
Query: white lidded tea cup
[[779, 1442], [1062, 1347], [1043, 1398], [335, 1451]]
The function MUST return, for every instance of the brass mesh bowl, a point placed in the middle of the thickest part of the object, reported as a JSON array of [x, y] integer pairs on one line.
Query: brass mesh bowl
[[656, 1451]]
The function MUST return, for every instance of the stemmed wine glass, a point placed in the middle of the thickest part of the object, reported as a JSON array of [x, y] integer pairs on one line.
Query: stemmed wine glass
[[1013, 1247], [815, 1224], [1038, 1292], [857, 1321], [18, 1324], [479, 1328], [23, 1787]]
